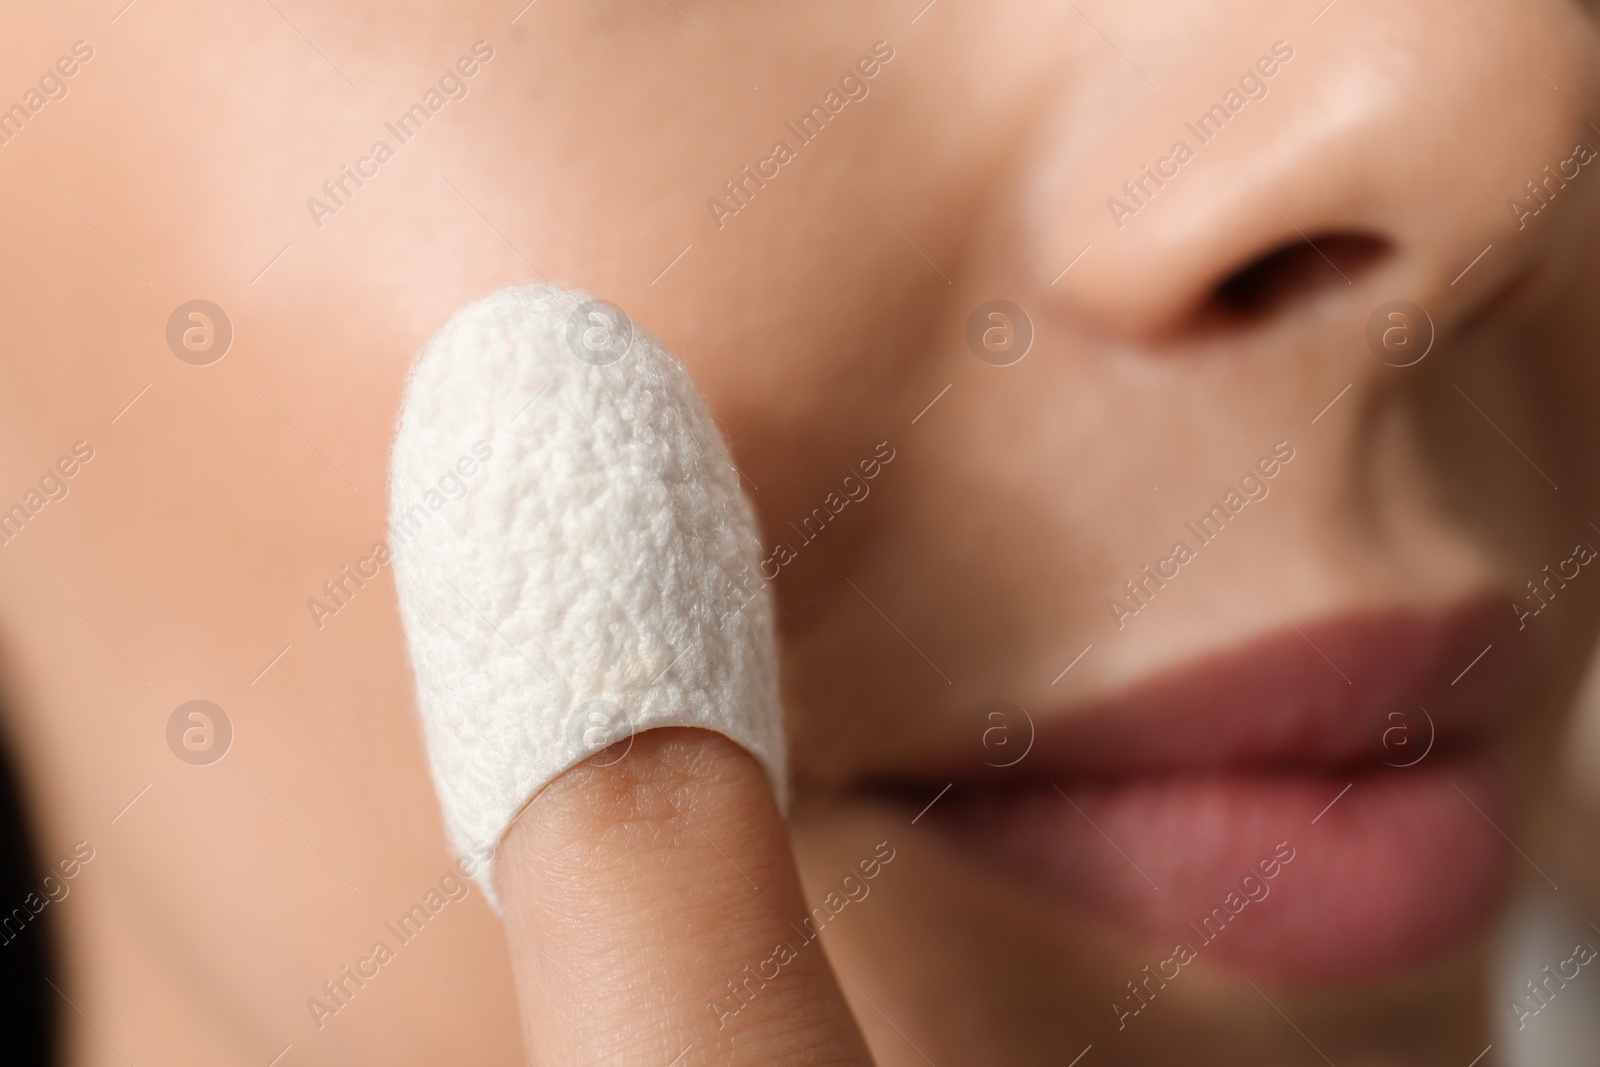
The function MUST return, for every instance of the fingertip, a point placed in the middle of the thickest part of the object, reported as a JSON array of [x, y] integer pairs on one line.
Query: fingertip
[[643, 882], [641, 790]]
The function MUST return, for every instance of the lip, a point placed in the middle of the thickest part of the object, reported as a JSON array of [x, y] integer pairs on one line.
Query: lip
[[1370, 748]]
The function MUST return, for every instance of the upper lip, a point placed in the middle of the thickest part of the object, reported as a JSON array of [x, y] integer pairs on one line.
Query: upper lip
[[1347, 691]]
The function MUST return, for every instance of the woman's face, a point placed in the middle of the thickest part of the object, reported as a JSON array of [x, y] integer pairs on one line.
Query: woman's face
[[1171, 433]]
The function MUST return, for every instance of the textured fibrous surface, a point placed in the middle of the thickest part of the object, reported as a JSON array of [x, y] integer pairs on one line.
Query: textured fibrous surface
[[604, 552]]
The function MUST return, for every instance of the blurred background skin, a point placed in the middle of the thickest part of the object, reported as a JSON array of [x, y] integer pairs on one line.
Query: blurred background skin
[[819, 320]]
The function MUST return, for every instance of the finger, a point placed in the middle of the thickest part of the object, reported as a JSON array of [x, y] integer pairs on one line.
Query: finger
[[653, 912]]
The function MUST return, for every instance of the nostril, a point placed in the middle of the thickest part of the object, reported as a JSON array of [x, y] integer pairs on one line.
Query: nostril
[[1295, 272]]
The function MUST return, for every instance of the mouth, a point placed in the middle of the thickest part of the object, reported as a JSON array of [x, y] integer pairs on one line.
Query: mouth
[[1326, 804]]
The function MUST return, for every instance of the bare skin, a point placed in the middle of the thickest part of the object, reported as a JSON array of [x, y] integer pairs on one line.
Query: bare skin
[[826, 315], [659, 879]]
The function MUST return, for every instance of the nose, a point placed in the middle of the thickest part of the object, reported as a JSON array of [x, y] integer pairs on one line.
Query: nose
[[1420, 152]]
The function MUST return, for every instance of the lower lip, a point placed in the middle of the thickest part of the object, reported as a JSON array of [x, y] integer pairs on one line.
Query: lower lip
[[1288, 876]]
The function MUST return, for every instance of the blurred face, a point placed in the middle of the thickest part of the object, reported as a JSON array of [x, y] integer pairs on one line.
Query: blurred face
[[1171, 434]]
